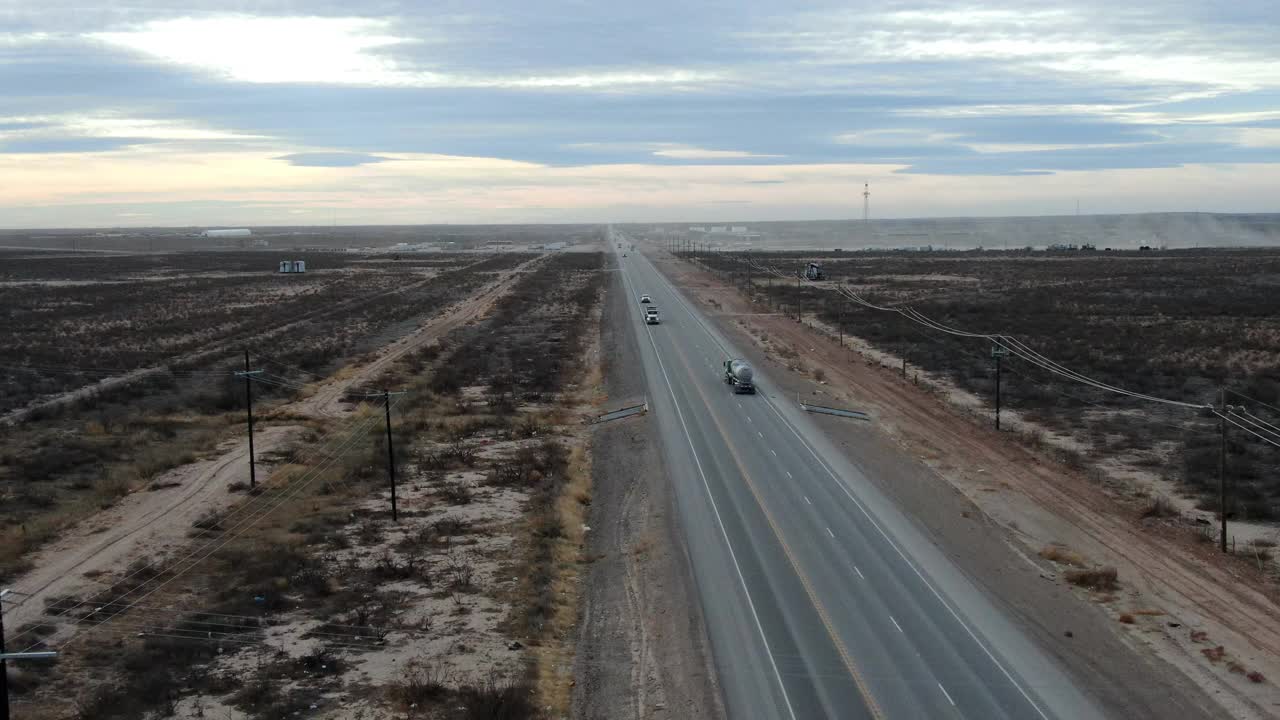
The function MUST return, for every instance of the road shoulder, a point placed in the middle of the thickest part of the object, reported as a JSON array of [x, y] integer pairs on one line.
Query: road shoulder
[[641, 650]]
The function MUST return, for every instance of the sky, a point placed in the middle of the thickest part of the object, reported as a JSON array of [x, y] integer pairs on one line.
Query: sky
[[380, 112]]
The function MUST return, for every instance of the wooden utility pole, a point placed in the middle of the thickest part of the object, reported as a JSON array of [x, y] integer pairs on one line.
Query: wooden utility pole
[[1222, 471], [391, 456], [799, 302], [997, 351], [248, 399]]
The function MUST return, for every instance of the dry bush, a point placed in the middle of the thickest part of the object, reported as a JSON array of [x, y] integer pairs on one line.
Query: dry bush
[[1127, 619], [1102, 578], [1063, 556], [1214, 654], [1160, 507]]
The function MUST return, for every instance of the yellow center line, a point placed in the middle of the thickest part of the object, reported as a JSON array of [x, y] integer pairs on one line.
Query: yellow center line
[[852, 667]]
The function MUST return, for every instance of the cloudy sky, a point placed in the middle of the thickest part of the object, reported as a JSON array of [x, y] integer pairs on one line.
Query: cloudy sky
[[287, 112]]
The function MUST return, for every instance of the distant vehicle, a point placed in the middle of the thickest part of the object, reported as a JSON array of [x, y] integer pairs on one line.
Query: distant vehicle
[[813, 272], [651, 315], [645, 299], [738, 374]]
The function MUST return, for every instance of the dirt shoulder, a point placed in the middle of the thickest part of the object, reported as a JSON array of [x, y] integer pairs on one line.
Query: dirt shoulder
[[641, 649], [1178, 637]]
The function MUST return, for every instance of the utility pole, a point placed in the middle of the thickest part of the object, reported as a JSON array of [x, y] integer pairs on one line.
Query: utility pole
[[1222, 472], [391, 456], [799, 302], [248, 400], [997, 351], [6, 656]]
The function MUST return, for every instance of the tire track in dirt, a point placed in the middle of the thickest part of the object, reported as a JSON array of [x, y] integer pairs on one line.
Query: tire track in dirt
[[326, 397], [109, 540], [69, 565]]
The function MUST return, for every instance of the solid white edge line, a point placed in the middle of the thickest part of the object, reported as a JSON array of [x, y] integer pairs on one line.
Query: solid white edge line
[[947, 695], [860, 507], [719, 522], [912, 565]]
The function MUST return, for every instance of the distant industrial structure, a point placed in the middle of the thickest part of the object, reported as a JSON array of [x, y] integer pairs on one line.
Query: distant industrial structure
[[725, 232], [293, 266]]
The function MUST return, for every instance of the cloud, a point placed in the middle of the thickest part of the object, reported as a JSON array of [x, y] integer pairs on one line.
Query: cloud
[[331, 159], [494, 95], [697, 153], [342, 51]]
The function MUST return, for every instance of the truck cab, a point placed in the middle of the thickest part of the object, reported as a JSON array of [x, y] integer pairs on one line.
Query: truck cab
[[651, 315]]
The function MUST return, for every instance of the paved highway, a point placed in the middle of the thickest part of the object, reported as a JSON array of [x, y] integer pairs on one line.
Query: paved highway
[[821, 598]]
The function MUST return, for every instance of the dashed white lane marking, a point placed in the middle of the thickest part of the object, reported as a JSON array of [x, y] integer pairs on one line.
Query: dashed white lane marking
[[760, 434], [806, 499], [775, 453], [832, 535], [895, 623], [947, 695], [748, 418], [789, 474], [855, 569]]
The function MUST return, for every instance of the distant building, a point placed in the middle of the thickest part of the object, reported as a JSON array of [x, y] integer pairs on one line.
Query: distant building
[[738, 229], [227, 232]]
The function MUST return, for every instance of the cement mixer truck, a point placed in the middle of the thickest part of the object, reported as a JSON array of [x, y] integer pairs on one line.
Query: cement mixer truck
[[737, 373]]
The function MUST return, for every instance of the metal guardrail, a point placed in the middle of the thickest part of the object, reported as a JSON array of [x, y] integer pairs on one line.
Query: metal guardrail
[[838, 412], [622, 413]]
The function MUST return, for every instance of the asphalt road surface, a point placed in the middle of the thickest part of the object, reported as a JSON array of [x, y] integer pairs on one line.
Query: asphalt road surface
[[821, 598]]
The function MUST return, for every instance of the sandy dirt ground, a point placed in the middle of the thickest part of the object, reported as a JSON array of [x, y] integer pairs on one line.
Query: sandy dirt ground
[[641, 646], [146, 523], [150, 522], [1182, 597]]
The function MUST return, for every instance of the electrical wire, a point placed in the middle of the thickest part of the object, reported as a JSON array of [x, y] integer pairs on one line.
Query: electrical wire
[[294, 489], [1247, 429], [296, 486]]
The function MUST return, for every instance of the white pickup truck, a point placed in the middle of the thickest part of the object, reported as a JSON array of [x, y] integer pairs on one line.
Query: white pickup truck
[[651, 315]]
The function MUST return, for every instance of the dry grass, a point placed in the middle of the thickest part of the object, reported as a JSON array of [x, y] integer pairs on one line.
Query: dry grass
[[1160, 507], [1063, 555], [1101, 578]]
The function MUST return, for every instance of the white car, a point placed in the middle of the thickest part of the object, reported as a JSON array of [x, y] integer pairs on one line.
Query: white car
[[651, 315], [644, 299]]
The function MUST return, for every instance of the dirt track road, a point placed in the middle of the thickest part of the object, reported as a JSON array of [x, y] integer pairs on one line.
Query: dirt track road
[[151, 522], [326, 398], [144, 524]]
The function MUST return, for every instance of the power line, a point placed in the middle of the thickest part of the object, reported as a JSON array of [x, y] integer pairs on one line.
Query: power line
[[1252, 399], [254, 505]]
